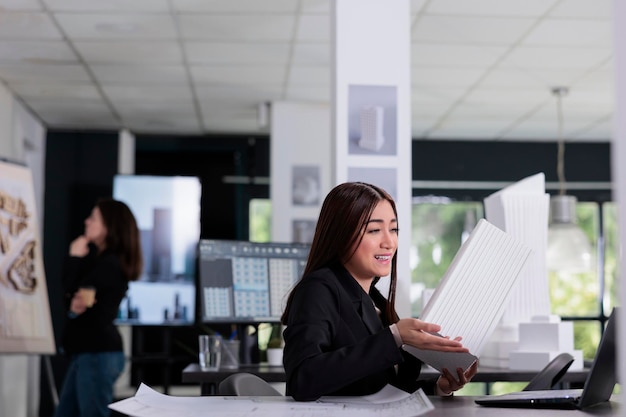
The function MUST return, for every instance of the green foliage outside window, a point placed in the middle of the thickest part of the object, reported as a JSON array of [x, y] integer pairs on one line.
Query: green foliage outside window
[[260, 220], [436, 237]]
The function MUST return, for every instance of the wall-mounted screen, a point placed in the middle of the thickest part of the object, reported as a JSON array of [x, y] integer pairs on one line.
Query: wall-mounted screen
[[167, 210], [247, 282]]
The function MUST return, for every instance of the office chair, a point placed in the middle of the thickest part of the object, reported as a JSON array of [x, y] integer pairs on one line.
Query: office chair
[[246, 384], [551, 374]]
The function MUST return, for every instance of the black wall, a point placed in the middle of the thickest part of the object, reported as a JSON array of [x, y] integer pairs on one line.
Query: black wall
[[508, 162]]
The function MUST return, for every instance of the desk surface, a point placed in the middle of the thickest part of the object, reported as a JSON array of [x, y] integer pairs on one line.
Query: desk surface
[[466, 407], [193, 373]]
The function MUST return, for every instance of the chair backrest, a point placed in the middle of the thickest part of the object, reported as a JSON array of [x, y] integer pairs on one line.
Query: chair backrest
[[246, 384], [551, 374]]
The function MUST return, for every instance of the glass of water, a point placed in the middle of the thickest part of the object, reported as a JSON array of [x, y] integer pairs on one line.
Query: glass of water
[[209, 352]]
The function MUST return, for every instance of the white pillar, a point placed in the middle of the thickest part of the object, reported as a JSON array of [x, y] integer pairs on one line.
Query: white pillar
[[618, 155], [371, 108], [300, 171]]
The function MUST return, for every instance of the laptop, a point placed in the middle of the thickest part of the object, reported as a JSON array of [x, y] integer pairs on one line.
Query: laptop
[[598, 386]]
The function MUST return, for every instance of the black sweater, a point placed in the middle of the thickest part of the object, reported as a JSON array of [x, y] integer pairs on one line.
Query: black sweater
[[94, 330]]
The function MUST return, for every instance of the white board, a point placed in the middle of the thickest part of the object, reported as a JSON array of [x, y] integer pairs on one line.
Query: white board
[[25, 324]]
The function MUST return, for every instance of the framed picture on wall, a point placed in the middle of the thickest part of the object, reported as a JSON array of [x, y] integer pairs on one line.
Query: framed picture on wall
[[305, 187], [372, 118], [303, 230]]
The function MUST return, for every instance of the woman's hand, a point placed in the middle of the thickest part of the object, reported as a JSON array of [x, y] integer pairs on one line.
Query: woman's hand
[[79, 304], [447, 383], [79, 247], [417, 333]]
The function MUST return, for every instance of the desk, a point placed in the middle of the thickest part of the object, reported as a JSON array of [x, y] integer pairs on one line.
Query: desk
[[210, 380], [466, 407]]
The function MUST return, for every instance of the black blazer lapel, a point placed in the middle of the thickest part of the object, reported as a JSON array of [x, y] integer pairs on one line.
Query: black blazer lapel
[[362, 302]]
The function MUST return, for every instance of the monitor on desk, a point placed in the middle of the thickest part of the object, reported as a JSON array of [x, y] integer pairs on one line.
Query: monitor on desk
[[247, 282]]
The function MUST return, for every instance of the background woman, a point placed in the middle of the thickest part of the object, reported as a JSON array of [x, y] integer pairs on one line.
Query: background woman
[[101, 263]]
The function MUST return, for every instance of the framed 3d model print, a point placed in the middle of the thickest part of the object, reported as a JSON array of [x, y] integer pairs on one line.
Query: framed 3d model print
[[25, 324]]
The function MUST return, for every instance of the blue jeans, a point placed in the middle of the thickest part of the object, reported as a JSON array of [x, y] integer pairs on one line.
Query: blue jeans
[[88, 386]]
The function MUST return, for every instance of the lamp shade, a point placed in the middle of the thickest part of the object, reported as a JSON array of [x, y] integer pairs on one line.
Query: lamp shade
[[569, 249]]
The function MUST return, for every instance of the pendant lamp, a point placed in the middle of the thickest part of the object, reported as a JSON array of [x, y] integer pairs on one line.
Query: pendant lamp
[[569, 249]]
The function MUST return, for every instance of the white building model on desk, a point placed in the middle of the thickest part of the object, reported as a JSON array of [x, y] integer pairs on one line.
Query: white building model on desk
[[541, 340], [372, 128], [528, 337]]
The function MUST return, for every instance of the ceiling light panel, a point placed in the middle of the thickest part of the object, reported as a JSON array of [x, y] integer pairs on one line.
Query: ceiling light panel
[[222, 53], [151, 6], [234, 6], [103, 26], [244, 75], [130, 51], [514, 8], [255, 28]]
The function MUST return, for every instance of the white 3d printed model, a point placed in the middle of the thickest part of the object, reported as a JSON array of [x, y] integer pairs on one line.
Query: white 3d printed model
[[372, 128]]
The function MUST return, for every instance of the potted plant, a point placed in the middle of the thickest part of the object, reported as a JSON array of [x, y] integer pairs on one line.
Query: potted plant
[[275, 347]]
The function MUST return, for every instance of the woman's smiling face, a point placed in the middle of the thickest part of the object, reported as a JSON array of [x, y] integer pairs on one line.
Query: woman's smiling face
[[373, 256]]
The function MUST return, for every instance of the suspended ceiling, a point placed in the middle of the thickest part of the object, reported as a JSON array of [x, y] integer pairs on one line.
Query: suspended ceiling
[[481, 69]]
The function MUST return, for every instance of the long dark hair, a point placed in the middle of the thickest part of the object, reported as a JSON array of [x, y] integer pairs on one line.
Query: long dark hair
[[344, 215], [122, 235]]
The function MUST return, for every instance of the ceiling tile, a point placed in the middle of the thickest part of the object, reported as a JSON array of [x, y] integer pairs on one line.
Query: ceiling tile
[[553, 58], [307, 93], [479, 30], [28, 26], [152, 6], [138, 93], [515, 8], [148, 52], [107, 26], [141, 74], [311, 53], [234, 6], [244, 75], [20, 5], [45, 73], [572, 33], [91, 114], [239, 93], [584, 9], [457, 55], [237, 28], [237, 53], [309, 75], [36, 52], [61, 90], [163, 122], [313, 28], [144, 109], [445, 77]]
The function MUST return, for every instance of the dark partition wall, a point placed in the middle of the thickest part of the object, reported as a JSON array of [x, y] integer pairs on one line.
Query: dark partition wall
[[79, 169]]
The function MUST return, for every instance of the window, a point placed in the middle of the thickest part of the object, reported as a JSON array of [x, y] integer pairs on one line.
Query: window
[[585, 298], [260, 220], [438, 229]]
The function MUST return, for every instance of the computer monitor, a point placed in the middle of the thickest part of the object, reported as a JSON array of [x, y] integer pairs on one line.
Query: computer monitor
[[167, 210], [247, 282]]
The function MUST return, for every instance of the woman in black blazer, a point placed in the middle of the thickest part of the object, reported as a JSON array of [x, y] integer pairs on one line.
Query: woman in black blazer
[[343, 337]]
